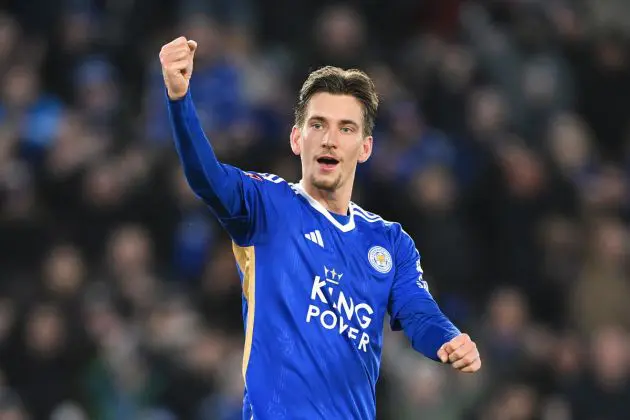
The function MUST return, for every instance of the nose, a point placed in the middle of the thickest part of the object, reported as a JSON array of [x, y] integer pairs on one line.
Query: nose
[[330, 139]]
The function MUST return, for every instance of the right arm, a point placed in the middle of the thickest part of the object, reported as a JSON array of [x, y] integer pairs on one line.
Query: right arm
[[231, 194], [218, 185]]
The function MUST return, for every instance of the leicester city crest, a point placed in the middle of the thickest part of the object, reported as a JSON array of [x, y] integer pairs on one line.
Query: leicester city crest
[[380, 259]]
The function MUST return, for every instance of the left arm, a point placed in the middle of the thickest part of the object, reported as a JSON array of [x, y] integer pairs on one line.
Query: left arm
[[413, 310]]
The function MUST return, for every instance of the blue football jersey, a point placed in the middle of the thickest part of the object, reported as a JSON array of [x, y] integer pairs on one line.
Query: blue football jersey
[[316, 288]]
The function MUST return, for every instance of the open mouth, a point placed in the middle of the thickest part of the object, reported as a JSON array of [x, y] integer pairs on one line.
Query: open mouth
[[327, 163], [328, 160]]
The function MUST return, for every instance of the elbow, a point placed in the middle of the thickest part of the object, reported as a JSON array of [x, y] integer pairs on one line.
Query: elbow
[[197, 182]]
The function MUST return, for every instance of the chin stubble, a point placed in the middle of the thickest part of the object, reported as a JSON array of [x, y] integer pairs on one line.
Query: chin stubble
[[325, 184]]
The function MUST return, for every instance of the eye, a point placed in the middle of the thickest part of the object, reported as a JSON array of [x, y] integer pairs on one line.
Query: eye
[[347, 130], [317, 125]]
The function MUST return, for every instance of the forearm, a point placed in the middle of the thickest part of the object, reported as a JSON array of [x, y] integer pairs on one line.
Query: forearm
[[427, 332], [218, 185]]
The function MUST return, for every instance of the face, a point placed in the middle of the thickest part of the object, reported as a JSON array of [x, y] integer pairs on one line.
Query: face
[[331, 141]]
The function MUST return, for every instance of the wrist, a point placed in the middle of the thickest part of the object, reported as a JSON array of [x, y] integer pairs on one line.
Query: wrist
[[175, 96]]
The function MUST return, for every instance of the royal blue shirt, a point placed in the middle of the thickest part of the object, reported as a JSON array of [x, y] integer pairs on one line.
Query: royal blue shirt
[[317, 287]]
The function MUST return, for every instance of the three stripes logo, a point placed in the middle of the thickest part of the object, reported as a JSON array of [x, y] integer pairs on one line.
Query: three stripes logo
[[315, 237]]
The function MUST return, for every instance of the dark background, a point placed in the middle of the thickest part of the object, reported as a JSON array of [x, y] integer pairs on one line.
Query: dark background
[[501, 146]]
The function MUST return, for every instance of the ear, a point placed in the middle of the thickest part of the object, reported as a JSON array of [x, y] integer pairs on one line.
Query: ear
[[366, 149], [296, 140]]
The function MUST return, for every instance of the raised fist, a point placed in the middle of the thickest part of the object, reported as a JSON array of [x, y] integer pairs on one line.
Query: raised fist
[[176, 58]]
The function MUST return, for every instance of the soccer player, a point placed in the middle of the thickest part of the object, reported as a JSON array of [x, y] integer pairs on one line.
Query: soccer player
[[319, 273]]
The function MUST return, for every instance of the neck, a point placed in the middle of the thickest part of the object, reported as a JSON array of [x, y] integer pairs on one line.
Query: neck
[[336, 201]]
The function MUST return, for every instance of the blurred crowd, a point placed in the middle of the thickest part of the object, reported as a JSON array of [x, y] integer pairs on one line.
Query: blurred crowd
[[502, 146]]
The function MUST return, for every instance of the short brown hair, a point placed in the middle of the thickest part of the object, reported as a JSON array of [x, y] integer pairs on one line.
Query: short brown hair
[[337, 81]]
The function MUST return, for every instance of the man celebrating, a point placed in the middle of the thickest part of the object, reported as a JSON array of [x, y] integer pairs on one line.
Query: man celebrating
[[318, 272]]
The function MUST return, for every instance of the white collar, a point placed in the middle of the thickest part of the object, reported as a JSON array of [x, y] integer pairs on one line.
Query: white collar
[[318, 206]]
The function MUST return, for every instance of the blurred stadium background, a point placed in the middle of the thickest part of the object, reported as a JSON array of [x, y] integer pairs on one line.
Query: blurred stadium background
[[501, 146]]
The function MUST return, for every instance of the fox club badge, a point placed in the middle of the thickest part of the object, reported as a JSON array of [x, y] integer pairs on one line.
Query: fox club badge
[[380, 259]]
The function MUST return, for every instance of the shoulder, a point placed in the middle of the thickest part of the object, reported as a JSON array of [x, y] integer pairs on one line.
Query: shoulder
[[264, 177], [394, 232], [398, 239], [388, 237], [373, 220], [363, 216], [272, 190], [269, 182]]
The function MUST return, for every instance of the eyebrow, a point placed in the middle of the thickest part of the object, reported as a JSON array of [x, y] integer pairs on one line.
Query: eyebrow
[[342, 122]]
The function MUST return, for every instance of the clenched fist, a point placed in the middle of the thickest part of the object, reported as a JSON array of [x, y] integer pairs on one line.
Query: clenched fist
[[176, 58], [461, 352]]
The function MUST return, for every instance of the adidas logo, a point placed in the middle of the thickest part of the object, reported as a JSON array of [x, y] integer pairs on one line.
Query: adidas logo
[[315, 237]]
